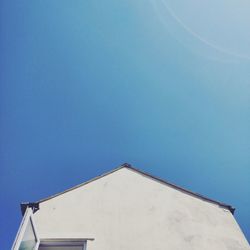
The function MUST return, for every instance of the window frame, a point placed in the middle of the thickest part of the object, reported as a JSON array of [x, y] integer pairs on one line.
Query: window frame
[[48, 242], [64, 242], [28, 217]]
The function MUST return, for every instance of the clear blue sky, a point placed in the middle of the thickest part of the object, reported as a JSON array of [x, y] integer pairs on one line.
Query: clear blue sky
[[88, 85]]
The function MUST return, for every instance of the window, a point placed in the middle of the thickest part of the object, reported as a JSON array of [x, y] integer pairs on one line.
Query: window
[[26, 238], [29, 240], [63, 244]]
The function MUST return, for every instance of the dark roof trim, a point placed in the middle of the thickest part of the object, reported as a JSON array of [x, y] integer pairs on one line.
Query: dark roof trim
[[128, 166], [33, 205]]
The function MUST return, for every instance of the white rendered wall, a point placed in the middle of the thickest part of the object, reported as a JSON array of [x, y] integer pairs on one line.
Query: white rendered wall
[[128, 211]]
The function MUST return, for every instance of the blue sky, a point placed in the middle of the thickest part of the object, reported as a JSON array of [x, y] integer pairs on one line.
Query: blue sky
[[89, 85]]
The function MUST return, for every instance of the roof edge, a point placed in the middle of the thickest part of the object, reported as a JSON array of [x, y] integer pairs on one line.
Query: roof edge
[[35, 205], [84, 183], [184, 190]]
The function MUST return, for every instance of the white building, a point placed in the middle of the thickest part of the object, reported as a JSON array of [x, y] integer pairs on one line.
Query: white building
[[127, 209]]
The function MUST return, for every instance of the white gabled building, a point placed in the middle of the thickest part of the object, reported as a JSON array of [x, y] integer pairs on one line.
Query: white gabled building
[[127, 209]]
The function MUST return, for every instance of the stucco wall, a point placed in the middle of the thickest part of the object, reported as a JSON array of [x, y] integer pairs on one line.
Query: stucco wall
[[128, 211]]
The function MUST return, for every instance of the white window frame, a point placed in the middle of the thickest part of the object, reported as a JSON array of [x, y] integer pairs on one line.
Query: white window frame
[[28, 217], [64, 242]]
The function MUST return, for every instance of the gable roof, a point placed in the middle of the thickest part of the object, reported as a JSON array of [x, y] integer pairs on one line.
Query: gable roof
[[35, 205]]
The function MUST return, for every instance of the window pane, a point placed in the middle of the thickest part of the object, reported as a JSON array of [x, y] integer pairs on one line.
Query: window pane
[[29, 239]]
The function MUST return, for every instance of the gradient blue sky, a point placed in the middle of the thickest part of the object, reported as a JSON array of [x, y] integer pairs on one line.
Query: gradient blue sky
[[88, 85]]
